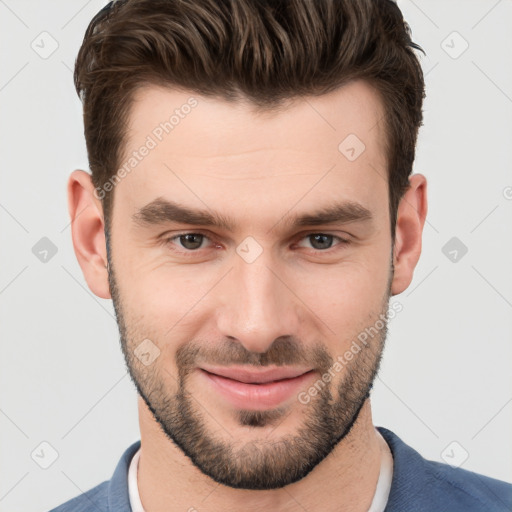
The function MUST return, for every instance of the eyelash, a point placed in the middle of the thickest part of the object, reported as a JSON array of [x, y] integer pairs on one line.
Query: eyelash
[[168, 240]]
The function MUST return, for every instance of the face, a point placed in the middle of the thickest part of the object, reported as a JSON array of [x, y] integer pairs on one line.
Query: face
[[248, 252]]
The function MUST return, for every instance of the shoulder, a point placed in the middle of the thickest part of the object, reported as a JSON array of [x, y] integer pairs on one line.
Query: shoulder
[[422, 485], [94, 499], [471, 490], [109, 496]]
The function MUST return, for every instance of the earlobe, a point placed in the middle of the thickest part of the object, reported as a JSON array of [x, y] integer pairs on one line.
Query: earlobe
[[411, 215], [88, 232]]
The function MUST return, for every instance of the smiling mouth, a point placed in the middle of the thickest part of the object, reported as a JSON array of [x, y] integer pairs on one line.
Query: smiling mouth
[[256, 376], [256, 383], [258, 390]]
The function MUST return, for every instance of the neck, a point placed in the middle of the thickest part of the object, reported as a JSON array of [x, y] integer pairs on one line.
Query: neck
[[345, 481]]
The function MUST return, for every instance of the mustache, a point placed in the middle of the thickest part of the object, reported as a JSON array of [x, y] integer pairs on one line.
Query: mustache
[[284, 351]]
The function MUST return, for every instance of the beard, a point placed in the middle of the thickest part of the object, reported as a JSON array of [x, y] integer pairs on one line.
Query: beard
[[263, 463]]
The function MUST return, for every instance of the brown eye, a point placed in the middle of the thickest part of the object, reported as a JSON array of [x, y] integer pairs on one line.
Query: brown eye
[[191, 241]]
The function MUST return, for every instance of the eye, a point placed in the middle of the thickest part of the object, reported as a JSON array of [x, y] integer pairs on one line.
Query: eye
[[323, 241], [189, 241]]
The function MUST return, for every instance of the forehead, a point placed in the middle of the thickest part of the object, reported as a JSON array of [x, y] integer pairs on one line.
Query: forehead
[[206, 151], [354, 108]]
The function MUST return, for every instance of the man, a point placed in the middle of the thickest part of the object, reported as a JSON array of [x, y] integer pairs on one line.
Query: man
[[250, 212]]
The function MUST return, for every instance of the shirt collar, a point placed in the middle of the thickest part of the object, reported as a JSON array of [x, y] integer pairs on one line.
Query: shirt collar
[[378, 504]]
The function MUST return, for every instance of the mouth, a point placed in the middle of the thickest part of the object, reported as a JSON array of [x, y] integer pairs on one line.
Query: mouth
[[255, 389], [260, 376]]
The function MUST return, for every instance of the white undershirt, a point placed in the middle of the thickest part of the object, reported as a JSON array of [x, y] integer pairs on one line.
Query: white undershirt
[[379, 501], [133, 488]]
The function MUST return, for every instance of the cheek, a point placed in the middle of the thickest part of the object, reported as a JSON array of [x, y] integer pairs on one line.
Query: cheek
[[151, 286], [165, 305], [161, 299], [347, 297]]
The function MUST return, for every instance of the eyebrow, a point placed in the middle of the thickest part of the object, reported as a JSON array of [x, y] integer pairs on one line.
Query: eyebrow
[[161, 211]]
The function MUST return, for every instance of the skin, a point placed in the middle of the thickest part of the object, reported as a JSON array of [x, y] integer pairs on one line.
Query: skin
[[213, 306]]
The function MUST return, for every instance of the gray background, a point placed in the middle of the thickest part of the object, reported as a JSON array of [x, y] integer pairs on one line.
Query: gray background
[[445, 384]]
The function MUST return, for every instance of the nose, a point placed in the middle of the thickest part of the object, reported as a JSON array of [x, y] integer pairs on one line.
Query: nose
[[257, 305]]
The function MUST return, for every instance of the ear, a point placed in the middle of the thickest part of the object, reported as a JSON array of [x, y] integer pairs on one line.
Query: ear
[[411, 215], [88, 232]]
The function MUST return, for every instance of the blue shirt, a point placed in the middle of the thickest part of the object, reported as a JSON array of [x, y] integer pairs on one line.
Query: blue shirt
[[418, 485]]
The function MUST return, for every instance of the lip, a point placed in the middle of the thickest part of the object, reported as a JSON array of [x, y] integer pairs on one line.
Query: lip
[[260, 376], [256, 390]]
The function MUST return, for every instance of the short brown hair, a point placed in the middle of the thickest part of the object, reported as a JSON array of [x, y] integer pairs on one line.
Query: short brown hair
[[266, 51]]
